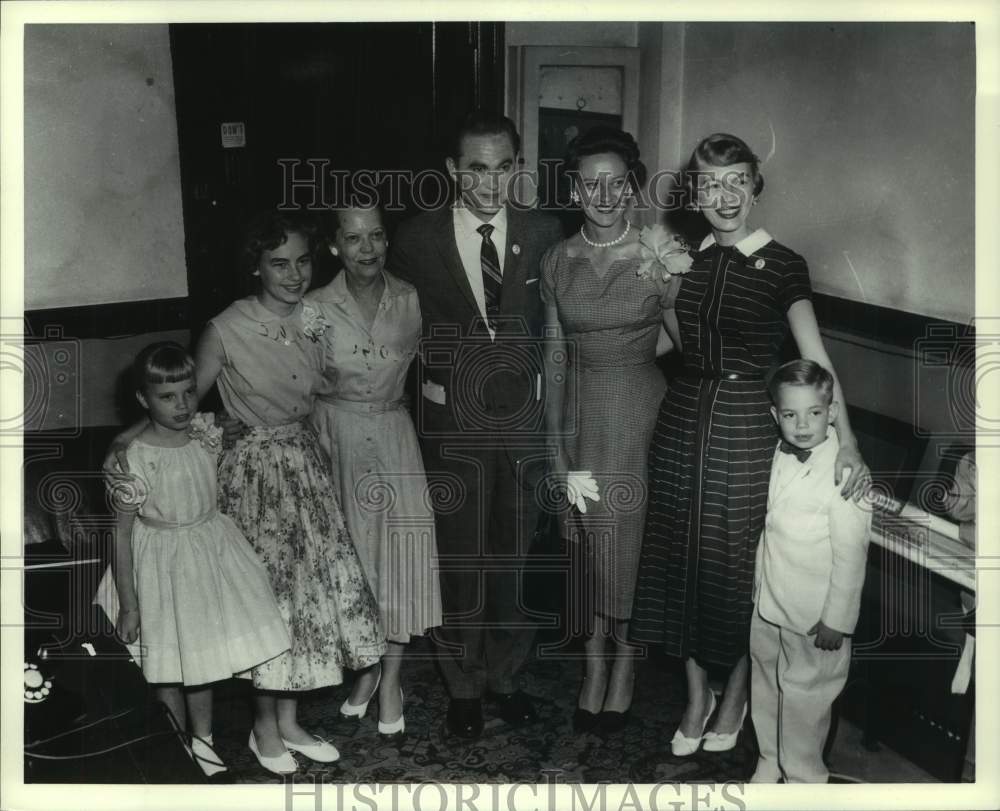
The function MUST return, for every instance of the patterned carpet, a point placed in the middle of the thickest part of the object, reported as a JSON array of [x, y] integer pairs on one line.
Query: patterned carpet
[[544, 751]]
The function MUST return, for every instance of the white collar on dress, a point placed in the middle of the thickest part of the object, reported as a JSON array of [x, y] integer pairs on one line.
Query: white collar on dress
[[258, 312], [336, 291], [746, 246]]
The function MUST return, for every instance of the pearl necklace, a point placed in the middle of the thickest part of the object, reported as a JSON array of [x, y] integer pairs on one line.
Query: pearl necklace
[[615, 241]]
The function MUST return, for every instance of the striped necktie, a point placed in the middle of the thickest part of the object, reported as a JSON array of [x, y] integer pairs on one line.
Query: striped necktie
[[492, 278]]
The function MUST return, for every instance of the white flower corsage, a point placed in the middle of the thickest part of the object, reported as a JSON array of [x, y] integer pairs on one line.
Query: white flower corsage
[[313, 323], [204, 430], [658, 244]]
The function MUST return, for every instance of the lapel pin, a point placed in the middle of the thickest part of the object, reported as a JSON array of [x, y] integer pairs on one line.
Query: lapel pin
[[515, 249]]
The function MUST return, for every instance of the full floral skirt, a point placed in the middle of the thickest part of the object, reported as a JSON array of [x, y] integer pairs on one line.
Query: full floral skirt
[[275, 484]]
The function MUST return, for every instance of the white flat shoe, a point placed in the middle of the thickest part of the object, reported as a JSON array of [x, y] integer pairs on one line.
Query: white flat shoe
[[396, 727], [319, 750], [349, 710], [681, 745], [277, 764], [724, 741], [205, 756]]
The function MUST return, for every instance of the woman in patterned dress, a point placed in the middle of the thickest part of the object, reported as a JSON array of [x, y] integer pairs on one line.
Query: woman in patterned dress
[[709, 463], [606, 320], [266, 353], [366, 430]]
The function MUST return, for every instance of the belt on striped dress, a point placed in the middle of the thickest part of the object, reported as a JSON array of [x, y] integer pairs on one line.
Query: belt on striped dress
[[708, 374]]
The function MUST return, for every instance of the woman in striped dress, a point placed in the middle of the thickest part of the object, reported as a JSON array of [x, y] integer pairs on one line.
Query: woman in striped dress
[[710, 458]]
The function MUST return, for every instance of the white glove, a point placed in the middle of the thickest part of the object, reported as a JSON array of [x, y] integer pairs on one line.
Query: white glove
[[580, 486]]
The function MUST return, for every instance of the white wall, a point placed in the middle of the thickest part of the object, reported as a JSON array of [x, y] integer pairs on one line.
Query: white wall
[[102, 175], [868, 132]]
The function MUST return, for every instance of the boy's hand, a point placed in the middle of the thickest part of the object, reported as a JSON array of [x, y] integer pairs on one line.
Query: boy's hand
[[826, 637], [849, 460], [127, 626]]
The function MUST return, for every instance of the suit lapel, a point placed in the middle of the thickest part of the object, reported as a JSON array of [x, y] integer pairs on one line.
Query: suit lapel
[[513, 276], [781, 492], [448, 249]]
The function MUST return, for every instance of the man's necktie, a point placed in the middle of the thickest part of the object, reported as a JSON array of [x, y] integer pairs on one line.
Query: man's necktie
[[799, 453], [492, 279]]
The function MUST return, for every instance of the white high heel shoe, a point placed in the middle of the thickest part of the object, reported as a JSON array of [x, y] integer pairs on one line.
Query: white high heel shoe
[[396, 727], [724, 741], [681, 745], [349, 710]]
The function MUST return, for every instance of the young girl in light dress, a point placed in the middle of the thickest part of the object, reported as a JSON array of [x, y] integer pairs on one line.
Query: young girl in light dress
[[193, 601]]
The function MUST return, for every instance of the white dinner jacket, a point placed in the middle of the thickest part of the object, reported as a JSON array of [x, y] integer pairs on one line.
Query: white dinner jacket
[[814, 547]]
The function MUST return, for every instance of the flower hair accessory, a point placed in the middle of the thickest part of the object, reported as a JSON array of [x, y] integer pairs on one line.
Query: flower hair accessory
[[657, 244], [204, 430], [313, 323]]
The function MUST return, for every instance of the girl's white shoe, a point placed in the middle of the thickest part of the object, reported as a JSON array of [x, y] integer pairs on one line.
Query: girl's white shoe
[[681, 745], [278, 764], [319, 750], [205, 756]]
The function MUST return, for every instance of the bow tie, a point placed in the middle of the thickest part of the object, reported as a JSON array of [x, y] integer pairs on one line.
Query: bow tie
[[799, 453]]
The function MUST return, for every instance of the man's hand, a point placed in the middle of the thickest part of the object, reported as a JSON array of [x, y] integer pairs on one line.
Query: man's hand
[[826, 637]]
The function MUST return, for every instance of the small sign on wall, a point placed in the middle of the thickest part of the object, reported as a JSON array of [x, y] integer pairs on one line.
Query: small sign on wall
[[234, 134]]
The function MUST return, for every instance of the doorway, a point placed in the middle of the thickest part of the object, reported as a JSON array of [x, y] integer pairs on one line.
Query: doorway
[[346, 96]]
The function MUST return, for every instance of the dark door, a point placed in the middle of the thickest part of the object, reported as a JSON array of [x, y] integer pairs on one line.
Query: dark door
[[312, 98]]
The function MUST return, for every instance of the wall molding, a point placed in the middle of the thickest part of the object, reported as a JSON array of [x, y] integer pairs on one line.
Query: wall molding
[[894, 328], [108, 320]]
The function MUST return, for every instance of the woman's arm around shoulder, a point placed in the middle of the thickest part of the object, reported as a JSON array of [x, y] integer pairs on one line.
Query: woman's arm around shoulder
[[805, 329]]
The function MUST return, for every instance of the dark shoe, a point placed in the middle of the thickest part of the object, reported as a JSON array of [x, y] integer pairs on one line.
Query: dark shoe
[[515, 708], [584, 721], [614, 721], [465, 718]]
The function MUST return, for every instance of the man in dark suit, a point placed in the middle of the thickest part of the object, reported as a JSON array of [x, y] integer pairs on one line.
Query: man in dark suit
[[480, 415]]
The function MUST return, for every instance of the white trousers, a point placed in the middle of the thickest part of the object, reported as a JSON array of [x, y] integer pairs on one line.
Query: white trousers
[[793, 686]]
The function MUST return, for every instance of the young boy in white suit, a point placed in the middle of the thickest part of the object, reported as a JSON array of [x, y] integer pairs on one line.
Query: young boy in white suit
[[807, 582]]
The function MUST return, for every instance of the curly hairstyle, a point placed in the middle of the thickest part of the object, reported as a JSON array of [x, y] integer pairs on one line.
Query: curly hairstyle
[[604, 140], [270, 229]]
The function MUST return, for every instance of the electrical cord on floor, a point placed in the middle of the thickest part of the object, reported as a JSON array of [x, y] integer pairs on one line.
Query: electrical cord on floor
[[29, 746], [846, 778], [84, 755]]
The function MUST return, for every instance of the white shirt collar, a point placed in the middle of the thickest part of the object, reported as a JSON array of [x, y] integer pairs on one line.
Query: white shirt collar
[[746, 246], [469, 222]]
